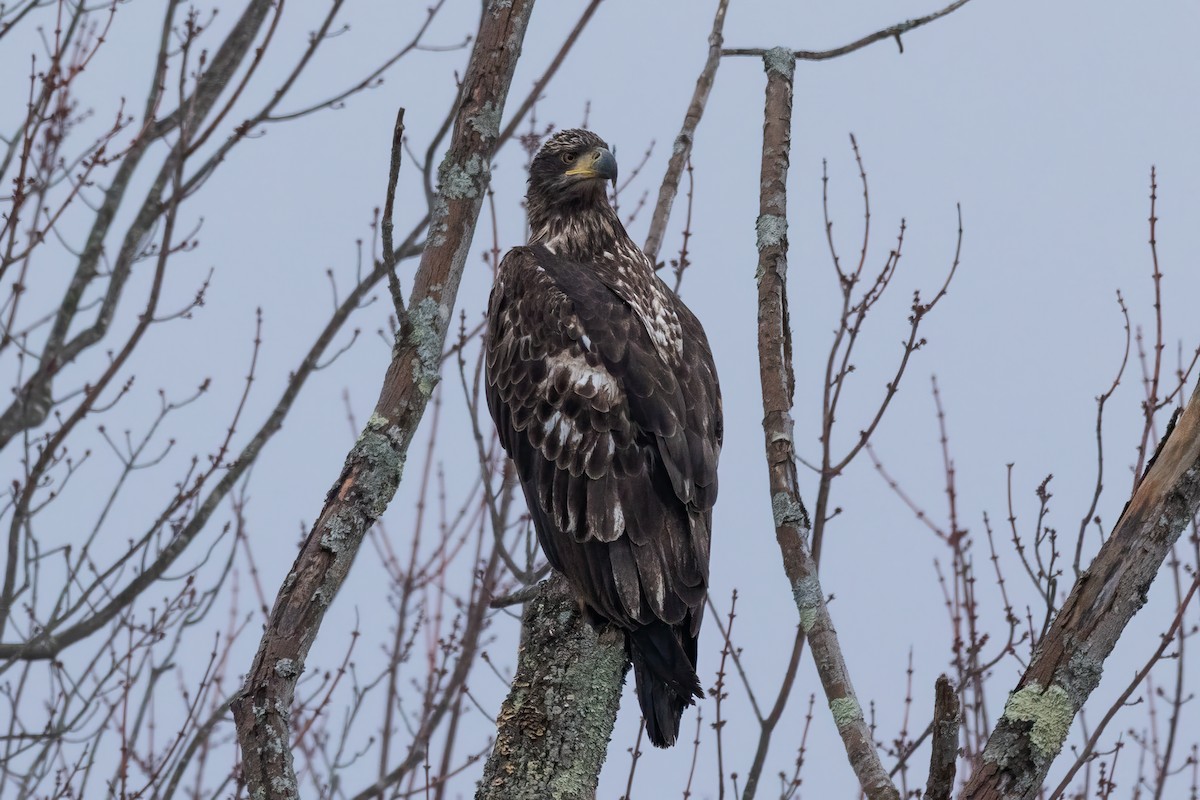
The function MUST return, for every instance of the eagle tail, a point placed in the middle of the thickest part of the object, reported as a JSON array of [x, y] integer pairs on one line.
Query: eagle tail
[[664, 670]]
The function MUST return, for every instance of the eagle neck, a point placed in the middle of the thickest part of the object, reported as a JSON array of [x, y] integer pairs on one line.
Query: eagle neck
[[579, 231]]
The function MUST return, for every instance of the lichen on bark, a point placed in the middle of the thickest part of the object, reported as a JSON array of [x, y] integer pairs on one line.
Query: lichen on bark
[[771, 230], [553, 729], [1048, 713], [428, 321], [781, 60]]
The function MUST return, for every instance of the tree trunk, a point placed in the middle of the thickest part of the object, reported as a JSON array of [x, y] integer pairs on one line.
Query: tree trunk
[[553, 730]]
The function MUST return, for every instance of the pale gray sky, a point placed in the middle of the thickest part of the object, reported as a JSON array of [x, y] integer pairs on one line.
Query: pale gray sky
[[1041, 119]]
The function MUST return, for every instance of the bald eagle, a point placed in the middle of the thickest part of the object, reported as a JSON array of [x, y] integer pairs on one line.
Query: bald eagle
[[604, 393]]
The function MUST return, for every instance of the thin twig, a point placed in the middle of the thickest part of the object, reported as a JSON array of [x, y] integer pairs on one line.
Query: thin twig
[[893, 32], [389, 252], [682, 148]]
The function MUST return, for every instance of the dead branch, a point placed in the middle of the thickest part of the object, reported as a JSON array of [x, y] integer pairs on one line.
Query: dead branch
[[553, 729], [389, 252], [892, 32], [373, 467], [946, 719], [1069, 660]]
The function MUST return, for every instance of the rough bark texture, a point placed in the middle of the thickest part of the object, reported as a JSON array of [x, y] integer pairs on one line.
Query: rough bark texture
[[943, 756], [1068, 661], [374, 465], [553, 731], [792, 526]]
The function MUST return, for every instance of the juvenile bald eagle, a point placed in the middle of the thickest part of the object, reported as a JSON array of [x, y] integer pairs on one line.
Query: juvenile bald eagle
[[603, 390]]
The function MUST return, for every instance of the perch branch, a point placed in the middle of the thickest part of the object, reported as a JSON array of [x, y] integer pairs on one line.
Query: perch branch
[[553, 730]]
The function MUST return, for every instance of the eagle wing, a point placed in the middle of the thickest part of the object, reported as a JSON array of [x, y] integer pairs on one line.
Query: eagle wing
[[615, 446]]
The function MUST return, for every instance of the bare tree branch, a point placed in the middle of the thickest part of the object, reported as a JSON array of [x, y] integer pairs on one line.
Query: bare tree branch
[[792, 526], [1069, 659], [373, 467], [683, 142], [893, 32], [33, 400]]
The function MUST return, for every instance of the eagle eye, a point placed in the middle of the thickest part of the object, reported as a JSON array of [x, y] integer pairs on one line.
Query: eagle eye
[[568, 158]]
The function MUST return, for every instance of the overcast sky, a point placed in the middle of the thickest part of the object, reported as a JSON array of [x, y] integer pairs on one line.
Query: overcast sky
[[1041, 119]]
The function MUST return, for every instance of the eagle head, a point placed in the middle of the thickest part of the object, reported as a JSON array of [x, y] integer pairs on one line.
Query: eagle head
[[571, 169]]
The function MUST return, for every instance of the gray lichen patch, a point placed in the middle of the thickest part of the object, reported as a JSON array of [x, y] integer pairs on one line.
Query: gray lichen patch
[[377, 483], [771, 230], [340, 531], [275, 745], [382, 424], [438, 227], [846, 711], [287, 668], [1083, 676], [462, 181], [780, 60], [787, 510], [1049, 712], [284, 787], [487, 122], [428, 324], [807, 593]]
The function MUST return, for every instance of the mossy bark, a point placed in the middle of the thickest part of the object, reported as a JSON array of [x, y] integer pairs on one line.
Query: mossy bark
[[553, 730], [373, 467], [1069, 660]]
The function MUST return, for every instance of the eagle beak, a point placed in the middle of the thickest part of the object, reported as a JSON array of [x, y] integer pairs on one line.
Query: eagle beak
[[599, 163]]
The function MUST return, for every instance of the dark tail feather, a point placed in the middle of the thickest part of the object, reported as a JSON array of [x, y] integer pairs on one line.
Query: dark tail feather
[[665, 675]]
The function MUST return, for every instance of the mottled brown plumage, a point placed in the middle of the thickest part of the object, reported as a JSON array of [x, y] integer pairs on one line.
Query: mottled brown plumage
[[604, 393]]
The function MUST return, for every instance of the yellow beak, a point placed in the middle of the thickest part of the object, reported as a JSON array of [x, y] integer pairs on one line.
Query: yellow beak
[[599, 163]]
